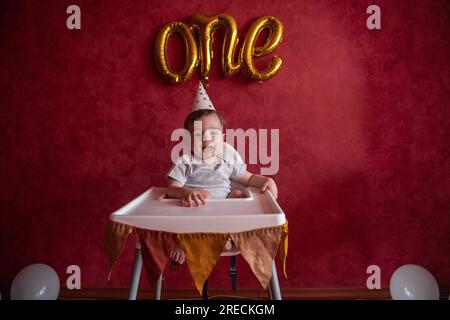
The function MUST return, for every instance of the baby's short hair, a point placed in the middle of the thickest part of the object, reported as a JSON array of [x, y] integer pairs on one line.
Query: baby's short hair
[[195, 115]]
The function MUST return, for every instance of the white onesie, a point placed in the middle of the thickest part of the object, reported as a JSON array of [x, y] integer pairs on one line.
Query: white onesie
[[213, 178]]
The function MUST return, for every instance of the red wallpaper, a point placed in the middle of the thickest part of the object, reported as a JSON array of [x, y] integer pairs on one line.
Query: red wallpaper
[[364, 176]]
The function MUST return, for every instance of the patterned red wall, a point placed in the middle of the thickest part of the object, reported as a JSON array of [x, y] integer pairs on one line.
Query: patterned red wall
[[364, 176]]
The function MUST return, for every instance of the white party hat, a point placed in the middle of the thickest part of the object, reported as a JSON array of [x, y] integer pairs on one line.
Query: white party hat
[[202, 100]]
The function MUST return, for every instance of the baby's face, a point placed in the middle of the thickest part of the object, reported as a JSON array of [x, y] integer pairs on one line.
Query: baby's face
[[207, 137]]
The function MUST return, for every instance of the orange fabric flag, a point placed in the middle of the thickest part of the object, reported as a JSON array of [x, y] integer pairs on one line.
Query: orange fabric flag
[[259, 248], [284, 246], [116, 235], [202, 251], [156, 247]]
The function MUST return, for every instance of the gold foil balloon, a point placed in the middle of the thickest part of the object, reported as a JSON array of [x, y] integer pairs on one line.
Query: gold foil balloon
[[191, 53], [205, 28], [249, 50]]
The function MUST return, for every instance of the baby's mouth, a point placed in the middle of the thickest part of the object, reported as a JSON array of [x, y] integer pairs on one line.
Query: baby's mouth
[[208, 147]]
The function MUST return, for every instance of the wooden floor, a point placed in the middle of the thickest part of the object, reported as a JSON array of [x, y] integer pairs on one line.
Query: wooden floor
[[108, 293], [288, 294]]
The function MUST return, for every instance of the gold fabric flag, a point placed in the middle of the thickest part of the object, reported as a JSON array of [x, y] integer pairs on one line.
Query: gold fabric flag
[[202, 251], [284, 246], [259, 248], [116, 235], [156, 247]]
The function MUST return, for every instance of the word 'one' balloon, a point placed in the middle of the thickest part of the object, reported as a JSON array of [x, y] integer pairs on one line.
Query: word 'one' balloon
[[198, 40]]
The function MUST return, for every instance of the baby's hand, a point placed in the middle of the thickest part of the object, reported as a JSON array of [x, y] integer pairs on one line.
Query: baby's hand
[[269, 184], [195, 197]]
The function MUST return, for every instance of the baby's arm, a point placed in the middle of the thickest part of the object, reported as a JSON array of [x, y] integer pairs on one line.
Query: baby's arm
[[255, 180], [189, 196]]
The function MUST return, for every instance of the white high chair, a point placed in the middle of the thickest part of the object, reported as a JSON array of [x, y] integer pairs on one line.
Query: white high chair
[[153, 211]]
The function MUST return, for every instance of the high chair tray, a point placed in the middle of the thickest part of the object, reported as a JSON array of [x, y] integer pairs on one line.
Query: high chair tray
[[152, 210]]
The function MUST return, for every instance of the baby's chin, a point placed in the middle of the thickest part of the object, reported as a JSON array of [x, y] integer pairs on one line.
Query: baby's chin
[[211, 161], [209, 152]]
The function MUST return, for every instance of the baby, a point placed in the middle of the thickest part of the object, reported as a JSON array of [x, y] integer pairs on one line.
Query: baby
[[207, 172]]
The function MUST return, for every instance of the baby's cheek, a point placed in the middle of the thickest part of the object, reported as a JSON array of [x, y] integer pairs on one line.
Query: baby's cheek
[[219, 147], [196, 147]]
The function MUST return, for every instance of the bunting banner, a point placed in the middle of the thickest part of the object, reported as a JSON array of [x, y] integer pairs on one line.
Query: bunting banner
[[284, 247], [156, 247], [259, 248], [202, 250], [116, 235]]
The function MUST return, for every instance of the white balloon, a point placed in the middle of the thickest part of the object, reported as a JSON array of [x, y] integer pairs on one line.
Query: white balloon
[[35, 282], [413, 282]]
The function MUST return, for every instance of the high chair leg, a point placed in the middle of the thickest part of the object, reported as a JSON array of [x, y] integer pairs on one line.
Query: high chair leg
[[269, 291], [274, 286], [135, 275], [158, 286], [233, 273], [205, 290]]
